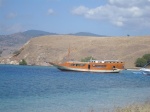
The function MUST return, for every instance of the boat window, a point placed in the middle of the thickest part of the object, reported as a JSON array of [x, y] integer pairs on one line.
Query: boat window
[[77, 64], [80, 64], [99, 66], [114, 66], [72, 64]]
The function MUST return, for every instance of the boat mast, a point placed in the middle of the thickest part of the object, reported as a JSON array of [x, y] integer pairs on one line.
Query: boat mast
[[68, 56]]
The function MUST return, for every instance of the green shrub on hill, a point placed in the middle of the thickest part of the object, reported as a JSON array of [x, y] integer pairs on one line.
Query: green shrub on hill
[[87, 59], [141, 62], [23, 62], [147, 57]]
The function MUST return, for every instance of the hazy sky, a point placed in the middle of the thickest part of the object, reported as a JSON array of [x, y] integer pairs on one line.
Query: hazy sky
[[104, 17]]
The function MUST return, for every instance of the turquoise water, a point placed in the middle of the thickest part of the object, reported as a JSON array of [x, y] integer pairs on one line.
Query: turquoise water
[[46, 89]]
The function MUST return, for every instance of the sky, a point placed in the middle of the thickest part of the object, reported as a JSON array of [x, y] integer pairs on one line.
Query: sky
[[103, 17]]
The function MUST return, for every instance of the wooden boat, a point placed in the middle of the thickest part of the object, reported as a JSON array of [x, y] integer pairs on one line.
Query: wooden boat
[[110, 66]]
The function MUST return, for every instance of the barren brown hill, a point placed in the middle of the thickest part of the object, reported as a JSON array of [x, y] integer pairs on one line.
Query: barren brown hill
[[44, 49]]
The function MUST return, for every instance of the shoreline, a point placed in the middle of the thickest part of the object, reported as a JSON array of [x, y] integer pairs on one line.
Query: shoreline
[[135, 107], [143, 107]]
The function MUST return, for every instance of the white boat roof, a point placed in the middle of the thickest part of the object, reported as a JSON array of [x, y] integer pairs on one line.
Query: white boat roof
[[97, 61], [104, 61]]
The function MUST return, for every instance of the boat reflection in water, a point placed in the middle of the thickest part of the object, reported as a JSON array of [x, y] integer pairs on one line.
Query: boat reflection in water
[[108, 66]]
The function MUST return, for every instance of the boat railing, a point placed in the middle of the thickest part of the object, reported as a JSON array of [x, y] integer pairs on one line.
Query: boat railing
[[103, 61], [98, 61]]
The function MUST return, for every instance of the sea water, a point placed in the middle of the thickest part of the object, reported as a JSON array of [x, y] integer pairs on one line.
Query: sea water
[[46, 89]]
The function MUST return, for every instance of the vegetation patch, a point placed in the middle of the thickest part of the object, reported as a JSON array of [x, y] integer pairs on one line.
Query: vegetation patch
[[141, 62], [87, 59], [23, 62]]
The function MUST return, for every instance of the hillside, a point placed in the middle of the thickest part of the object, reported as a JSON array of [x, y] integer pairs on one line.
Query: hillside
[[44, 49], [12, 42]]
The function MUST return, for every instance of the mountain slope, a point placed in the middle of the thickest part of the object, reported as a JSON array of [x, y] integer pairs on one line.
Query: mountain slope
[[36, 33], [87, 34], [11, 43]]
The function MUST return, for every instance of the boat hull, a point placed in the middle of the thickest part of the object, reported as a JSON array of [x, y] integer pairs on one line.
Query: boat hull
[[145, 71], [94, 66], [63, 68]]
